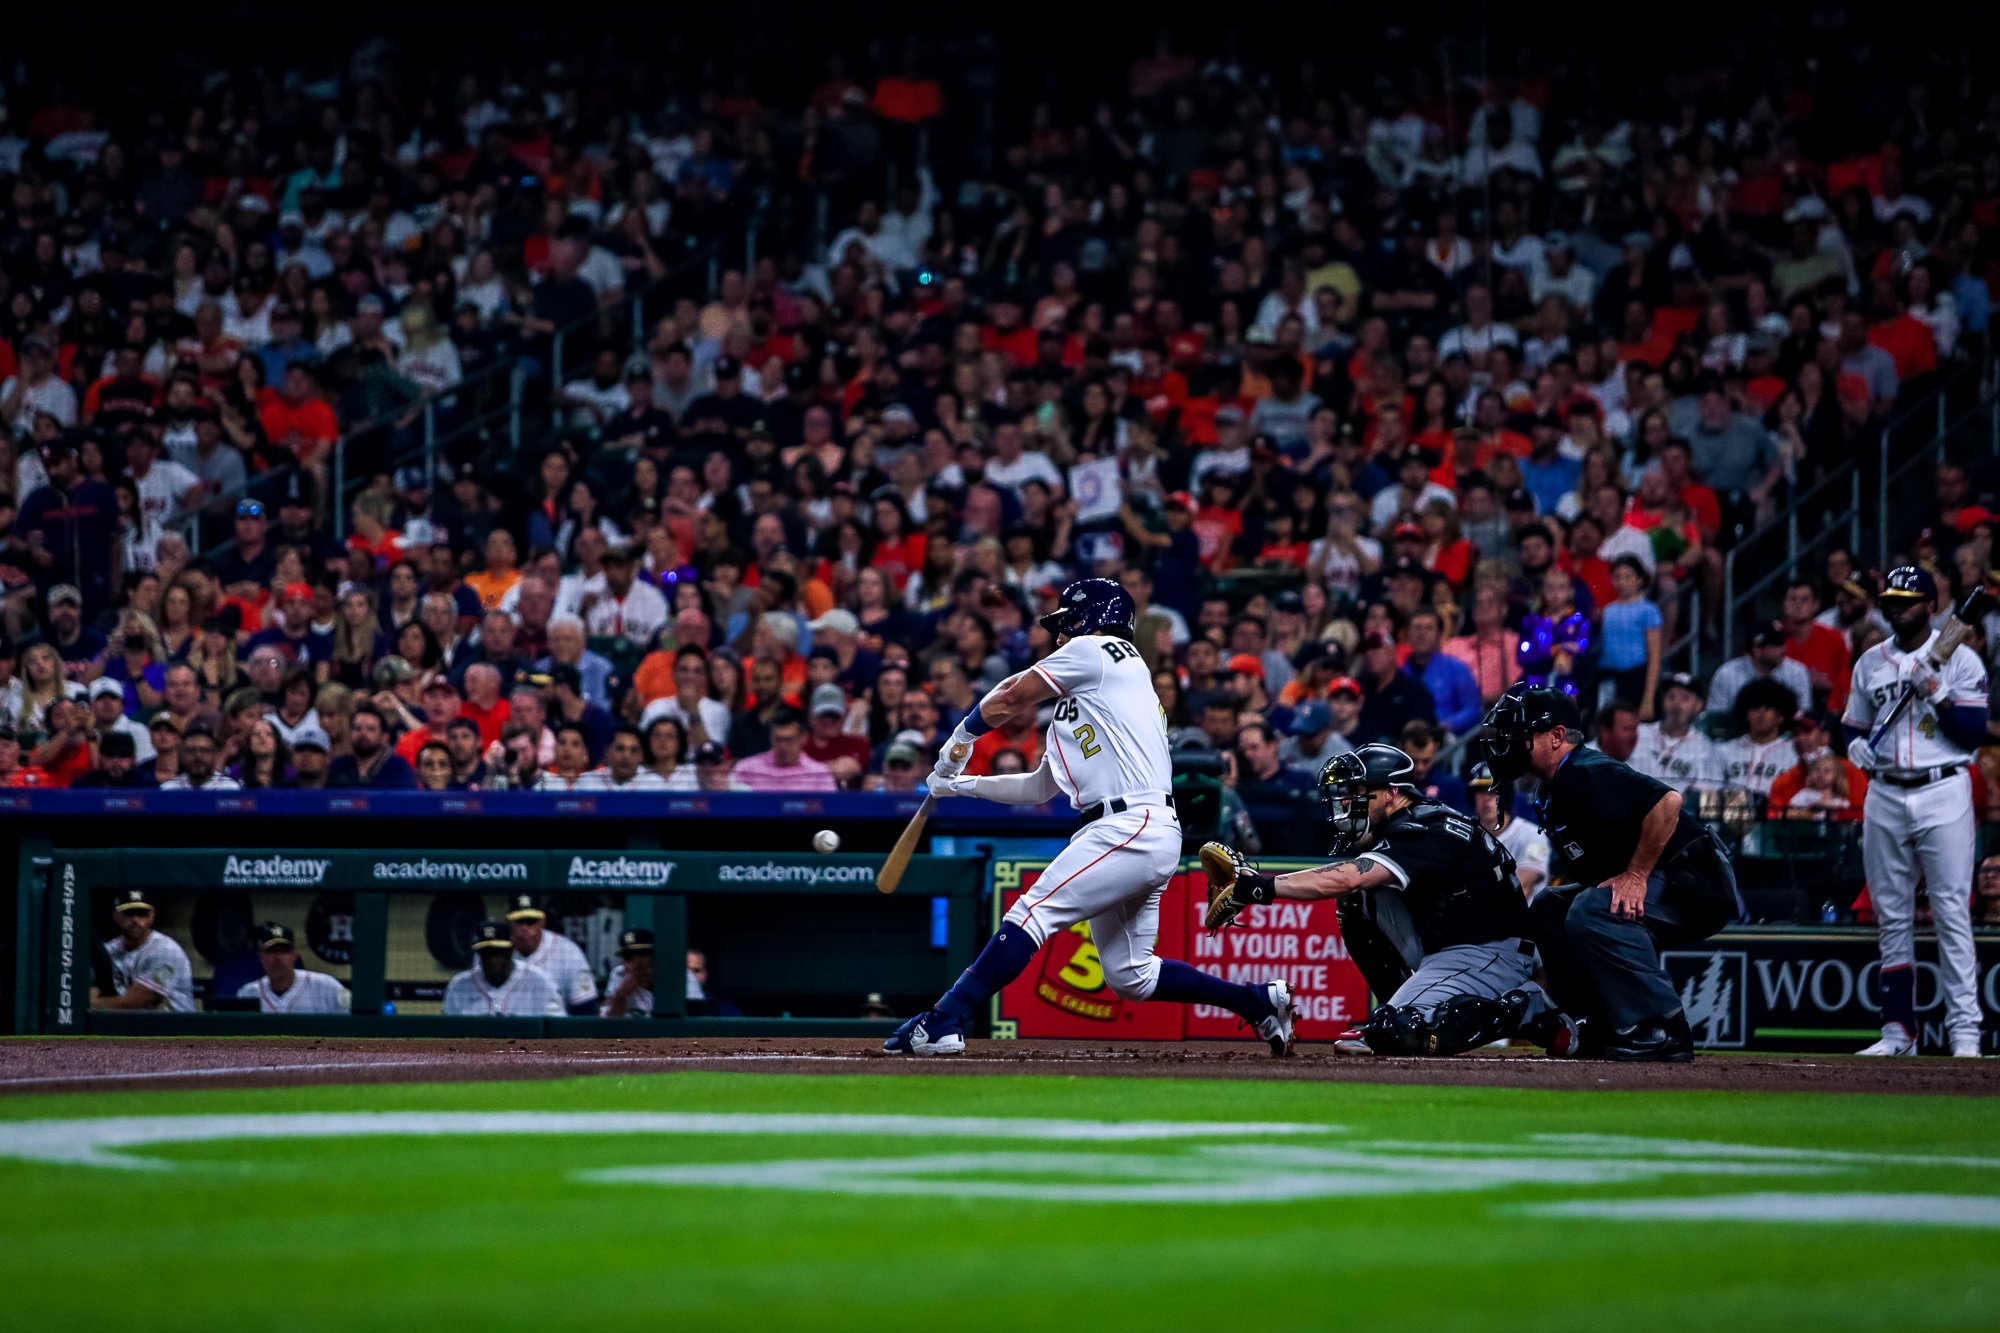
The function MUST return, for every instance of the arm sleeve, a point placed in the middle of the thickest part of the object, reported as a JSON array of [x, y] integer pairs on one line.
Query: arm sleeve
[[1031, 788], [1074, 668]]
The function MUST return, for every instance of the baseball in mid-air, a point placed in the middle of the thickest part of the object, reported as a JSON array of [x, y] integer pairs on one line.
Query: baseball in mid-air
[[826, 840]]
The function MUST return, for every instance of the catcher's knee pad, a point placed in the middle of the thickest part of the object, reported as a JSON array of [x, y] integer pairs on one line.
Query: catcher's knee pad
[[1451, 1028], [1376, 957]]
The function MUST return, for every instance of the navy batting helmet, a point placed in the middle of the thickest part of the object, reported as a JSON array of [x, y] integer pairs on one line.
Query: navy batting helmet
[[1906, 584], [1346, 779], [1514, 721], [1090, 605]]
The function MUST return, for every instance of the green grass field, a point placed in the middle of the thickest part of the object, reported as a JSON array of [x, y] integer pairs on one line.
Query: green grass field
[[1297, 1206]]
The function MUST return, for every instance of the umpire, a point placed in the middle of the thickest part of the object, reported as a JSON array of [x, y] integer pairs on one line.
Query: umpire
[[1641, 875]]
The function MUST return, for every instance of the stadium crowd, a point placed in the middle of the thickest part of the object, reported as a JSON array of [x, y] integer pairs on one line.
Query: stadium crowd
[[1379, 395]]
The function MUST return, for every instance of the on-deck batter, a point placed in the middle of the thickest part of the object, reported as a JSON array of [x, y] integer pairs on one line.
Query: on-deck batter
[[1917, 822], [1106, 751]]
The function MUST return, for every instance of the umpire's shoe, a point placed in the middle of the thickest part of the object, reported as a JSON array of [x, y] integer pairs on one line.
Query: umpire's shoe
[[1656, 1041], [929, 1033]]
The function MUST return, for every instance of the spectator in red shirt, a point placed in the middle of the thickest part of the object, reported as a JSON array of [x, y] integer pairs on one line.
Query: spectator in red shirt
[[826, 741], [483, 703], [1822, 784], [298, 419], [1820, 650]]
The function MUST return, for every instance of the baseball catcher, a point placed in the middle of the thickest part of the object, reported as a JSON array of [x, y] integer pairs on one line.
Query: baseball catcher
[[1429, 907]]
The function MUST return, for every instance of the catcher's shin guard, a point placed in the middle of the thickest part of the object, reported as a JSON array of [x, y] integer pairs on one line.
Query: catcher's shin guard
[[1451, 1028], [1381, 964]]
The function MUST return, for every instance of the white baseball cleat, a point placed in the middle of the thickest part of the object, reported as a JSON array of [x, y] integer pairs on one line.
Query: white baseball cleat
[[1277, 1029], [1965, 1046], [1896, 1040]]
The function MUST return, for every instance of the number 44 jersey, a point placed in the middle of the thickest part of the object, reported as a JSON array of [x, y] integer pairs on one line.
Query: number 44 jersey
[[1107, 737]]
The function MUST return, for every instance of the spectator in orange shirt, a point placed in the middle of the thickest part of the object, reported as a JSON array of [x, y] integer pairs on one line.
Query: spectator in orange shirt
[[483, 702], [298, 419], [1820, 650], [1823, 784], [502, 572]]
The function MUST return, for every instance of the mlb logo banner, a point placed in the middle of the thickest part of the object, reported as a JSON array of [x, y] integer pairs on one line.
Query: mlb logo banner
[[1715, 993]]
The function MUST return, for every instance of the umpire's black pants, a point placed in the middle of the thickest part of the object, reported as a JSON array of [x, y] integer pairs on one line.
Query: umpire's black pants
[[1608, 968]]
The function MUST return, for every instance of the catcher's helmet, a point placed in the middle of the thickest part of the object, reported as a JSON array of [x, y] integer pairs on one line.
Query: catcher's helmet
[[1346, 779], [1090, 605], [1514, 721], [1907, 584]]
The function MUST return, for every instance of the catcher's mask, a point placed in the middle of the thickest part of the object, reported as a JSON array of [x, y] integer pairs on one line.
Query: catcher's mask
[[1514, 722], [1346, 781]]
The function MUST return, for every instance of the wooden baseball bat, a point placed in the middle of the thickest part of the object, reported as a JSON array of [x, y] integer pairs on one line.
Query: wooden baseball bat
[[891, 873], [1970, 612]]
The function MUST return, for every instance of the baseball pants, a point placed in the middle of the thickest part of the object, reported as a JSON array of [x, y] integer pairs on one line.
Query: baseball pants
[[1112, 874], [1925, 832], [1484, 971]]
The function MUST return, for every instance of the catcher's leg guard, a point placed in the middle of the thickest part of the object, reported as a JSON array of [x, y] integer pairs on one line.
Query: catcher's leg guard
[[1381, 963], [1450, 1028]]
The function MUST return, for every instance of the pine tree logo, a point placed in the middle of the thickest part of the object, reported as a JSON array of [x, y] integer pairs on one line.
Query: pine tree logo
[[1713, 996]]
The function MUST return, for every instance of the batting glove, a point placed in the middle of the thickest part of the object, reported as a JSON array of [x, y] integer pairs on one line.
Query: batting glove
[[1861, 754], [1925, 679], [952, 757], [958, 786]]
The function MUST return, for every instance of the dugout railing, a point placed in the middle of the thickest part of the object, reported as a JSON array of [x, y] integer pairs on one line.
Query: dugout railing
[[797, 942]]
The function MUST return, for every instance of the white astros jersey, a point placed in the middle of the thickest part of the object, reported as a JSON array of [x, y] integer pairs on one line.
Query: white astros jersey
[[1691, 761], [527, 993], [309, 993], [1748, 766], [639, 1004], [1528, 845], [160, 965], [1916, 741], [1108, 737], [559, 958]]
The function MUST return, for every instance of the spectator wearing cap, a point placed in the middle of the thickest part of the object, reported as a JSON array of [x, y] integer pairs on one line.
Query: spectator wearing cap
[[628, 991], [311, 759], [495, 986], [624, 766], [285, 987], [287, 345], [370, 762], [713, 769], [200, 757], [293, 635], [1823, 784], [1310, 739], [640, 424], [1766, 660], [827, 741], [785, 766], [80, 646], [839, 630], [1229, 455], [167, 490], [70, 523], [1244, 684], [1854, 614], [149, 970], [1821, 651], [1455, 694], [903, 764], [1394, 697], [1406, 499], [553, 954], [108, 718], [1673, 749], [1547, 472], [628, 608], [115, 765], [247, 568]]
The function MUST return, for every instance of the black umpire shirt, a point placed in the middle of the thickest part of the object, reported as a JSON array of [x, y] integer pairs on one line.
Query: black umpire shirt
[[1456, 878], [1593, 809]]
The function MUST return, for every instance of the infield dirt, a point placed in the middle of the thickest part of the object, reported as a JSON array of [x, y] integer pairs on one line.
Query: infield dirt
[[31, 1065]]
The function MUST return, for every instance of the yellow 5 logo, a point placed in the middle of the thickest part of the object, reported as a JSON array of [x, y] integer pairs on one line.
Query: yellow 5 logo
[[1083, 971]]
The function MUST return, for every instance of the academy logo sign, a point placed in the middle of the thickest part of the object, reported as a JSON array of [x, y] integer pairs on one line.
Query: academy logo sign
[[274, 872], [425, 870], [780, 872], [618, 872]]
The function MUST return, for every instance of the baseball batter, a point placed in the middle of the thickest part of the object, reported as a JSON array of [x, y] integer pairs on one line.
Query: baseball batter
[[1917, 823], [285, 987], [1106, 751], [557, 957], [1429, 906], [148, 969], [494, 987]]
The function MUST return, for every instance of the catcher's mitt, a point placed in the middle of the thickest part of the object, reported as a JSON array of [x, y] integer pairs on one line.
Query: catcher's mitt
[[1227, 869]]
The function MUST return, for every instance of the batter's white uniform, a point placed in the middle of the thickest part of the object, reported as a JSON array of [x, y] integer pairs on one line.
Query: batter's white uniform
[[527, 993], [1107, 742], [160, 965], [309, 993], [1917, 821], [559, 958], [1683, 762], [1749, 765], [639, 1004]]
